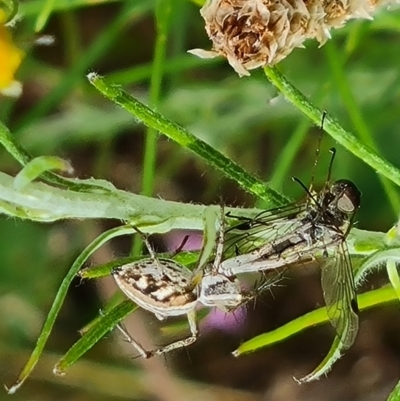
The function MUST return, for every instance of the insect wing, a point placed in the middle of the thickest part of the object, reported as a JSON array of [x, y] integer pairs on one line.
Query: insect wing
[[340, 295], [249, 234]]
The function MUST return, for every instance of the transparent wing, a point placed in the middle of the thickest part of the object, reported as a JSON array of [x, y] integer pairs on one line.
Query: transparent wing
[[340, 295], [247, 234]]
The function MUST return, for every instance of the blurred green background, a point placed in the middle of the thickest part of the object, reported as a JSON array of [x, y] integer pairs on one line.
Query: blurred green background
[[354, 77]]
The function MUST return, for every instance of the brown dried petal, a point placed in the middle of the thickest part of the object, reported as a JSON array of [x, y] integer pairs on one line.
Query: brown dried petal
[[255, 33], [252, 33]]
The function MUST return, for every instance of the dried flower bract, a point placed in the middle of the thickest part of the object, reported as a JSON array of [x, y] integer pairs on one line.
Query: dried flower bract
[[255, 33]]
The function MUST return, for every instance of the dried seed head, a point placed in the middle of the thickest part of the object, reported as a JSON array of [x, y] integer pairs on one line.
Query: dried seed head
[[255, 33], [252, 33]]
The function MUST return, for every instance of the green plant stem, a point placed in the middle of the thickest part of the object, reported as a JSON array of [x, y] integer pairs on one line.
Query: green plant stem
[[175, 132], [163, 15], [332, 127], [359, 123], [44, 203]]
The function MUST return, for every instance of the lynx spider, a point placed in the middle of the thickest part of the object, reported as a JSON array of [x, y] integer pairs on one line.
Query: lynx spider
[[166, 288]]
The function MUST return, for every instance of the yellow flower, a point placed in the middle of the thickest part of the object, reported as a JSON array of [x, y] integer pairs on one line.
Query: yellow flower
[[10, 60]]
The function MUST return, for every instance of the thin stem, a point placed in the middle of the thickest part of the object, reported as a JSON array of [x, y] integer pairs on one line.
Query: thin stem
[[332, 127], [162, 16], [175, 132], [360, 126]]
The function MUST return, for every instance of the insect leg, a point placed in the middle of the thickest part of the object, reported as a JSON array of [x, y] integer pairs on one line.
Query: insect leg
[[185, 341], [143, 353], [146, 242], [167, 348], [181, 246]]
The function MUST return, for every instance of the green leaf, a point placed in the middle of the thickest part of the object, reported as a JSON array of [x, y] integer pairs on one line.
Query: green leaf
[[101, 327], [59, 299], [395, 394], [37, 166], [319, 316]]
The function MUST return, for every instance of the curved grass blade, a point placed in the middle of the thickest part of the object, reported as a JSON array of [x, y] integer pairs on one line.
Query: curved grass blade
[[115, 300], [325, 366], [376, 260], [23, 157], [59, 299], [37, 166], [319, 316], [104, 325], [393, 274]]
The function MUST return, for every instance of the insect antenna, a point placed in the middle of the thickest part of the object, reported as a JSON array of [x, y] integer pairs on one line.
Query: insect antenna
[[307, 190], [235, 216], [329, 175], [317, 152]]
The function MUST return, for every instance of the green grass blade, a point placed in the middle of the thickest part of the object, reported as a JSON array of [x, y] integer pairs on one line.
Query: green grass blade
[[44, 15], [326, 365], [367, 300], [101, 327], [395, 394], [12, 146], [32, 8], [59, 299], [23, 157], [288, 154], [163, 18], [179, 64], [105, 269], [393, 275], [36, 167], [178, 134], [332, 127], [353, 109]]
